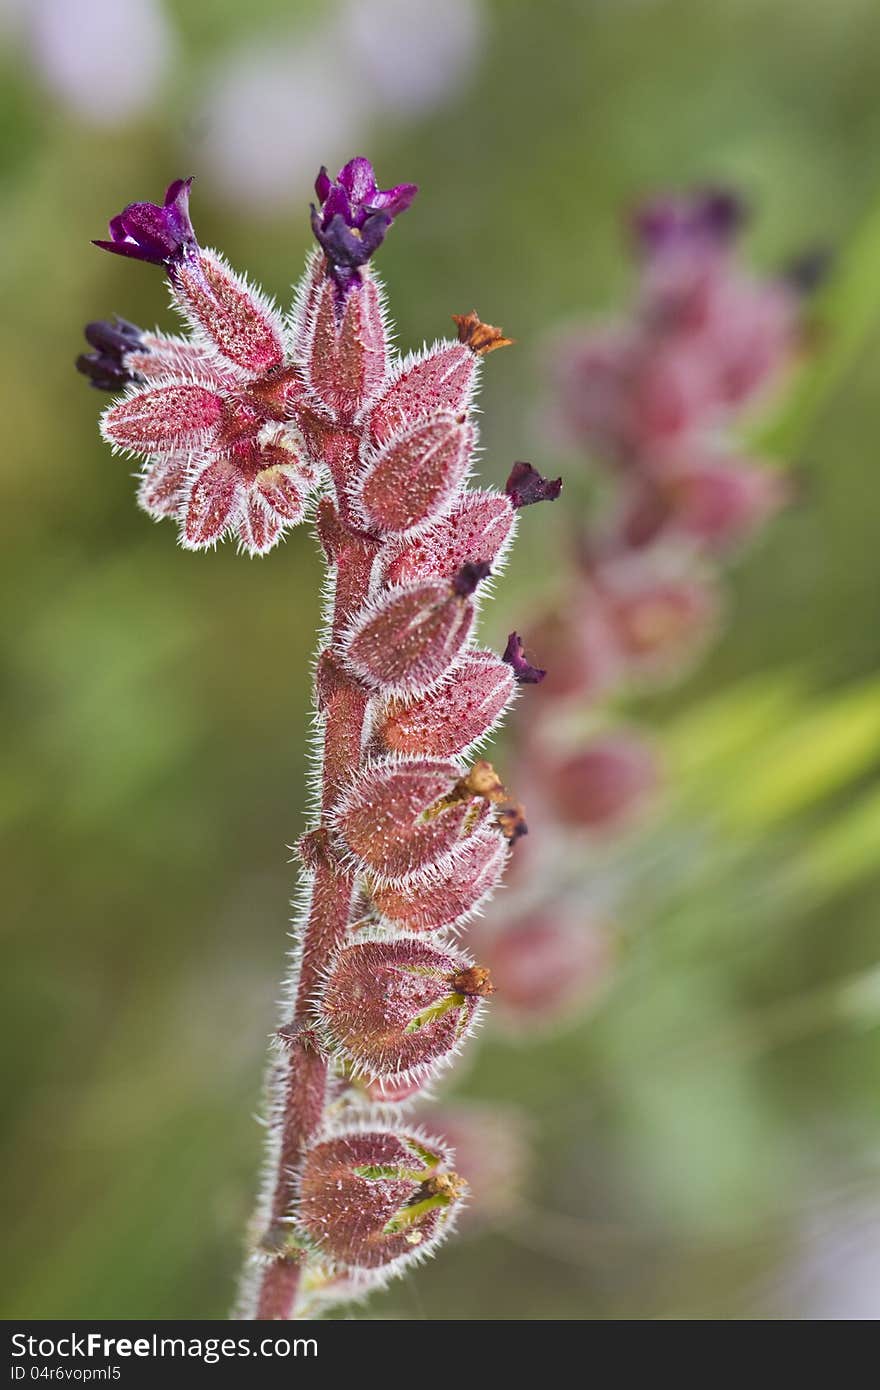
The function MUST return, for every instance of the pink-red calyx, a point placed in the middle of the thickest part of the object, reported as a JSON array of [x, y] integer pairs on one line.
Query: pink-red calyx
[[373, 1198], [399, 1005]]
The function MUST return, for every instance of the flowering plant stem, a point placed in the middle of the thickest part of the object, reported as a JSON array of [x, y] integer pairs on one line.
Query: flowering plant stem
[[301, 1084], [238, 424]]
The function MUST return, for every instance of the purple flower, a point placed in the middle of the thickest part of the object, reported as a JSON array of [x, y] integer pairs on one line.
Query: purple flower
[[525, 486], [354, 216], [106, 365], [524, 673], [469, 576], [159, 235], [712, 216]]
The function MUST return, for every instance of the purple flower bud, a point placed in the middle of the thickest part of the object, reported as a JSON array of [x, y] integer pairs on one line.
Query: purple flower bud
[[525, 486], [711, 217], [106, 365], [469, 576], [159, 235], [353, 217], [523, 672]]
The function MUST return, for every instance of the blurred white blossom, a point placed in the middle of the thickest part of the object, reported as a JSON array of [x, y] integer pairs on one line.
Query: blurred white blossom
[[274, 112], [272, 115], [104, 59], [416, 54]]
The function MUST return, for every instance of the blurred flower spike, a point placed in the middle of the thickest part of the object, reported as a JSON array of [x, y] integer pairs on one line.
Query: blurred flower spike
[[651, 399]]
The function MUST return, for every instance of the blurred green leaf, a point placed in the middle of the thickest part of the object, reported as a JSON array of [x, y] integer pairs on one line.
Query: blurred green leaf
[[847, 315], [817, 751]]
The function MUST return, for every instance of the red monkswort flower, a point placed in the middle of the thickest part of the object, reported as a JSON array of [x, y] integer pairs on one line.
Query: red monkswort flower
[[238, 424], [210, 416]]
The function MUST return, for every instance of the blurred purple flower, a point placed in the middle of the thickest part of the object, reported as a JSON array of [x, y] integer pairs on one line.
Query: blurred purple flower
[[712, 216]]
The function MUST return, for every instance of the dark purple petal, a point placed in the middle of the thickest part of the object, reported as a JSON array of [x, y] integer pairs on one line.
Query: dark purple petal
[[323, 184], [344, 247], [524, 673], [117, 337], [525, 486], [373, 232], [395, 200], [469, 576], [348, 250], [159, 235], [124, 248], [103, 374], [106, 365], [359, 181], [338, 204]]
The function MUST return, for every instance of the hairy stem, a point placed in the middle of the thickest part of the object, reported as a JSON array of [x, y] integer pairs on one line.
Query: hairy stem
[[300, 1101]]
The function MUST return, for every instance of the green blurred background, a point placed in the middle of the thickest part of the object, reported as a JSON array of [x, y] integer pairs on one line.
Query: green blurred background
[[708, 1139]]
